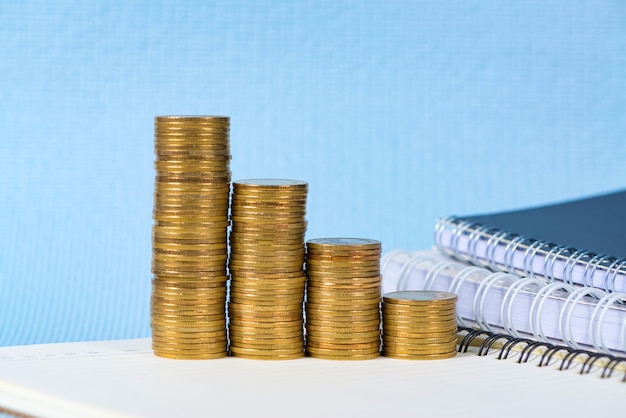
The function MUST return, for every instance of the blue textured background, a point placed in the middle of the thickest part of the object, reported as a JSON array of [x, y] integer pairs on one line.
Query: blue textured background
[[395, 112]]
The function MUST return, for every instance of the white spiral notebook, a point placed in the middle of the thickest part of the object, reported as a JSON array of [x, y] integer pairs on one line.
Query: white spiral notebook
[[555, 313], [579, 242], [124, 379]]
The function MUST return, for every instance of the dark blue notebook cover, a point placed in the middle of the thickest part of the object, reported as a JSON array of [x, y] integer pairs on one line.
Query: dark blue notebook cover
[[596, 224]]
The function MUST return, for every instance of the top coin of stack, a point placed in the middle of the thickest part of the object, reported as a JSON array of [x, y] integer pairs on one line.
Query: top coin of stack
[[343, 297], [266, 268], [189, 239], [419, 325]]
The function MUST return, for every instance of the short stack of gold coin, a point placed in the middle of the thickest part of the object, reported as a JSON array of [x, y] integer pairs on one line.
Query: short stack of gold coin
[[419, 325], [343, 298], [266, 268], [189, 239]]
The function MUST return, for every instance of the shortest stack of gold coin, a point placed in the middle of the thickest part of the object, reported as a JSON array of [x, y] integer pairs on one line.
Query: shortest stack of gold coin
[[419, 325], [343, 298]]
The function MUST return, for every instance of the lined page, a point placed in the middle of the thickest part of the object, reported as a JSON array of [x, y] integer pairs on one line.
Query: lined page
[[124, 379]]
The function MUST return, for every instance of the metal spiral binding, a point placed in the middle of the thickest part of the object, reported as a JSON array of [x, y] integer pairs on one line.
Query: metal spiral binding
[[530, 248], [550, 351]]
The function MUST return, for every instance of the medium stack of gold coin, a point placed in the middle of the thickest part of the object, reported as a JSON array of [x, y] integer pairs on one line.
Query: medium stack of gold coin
[[266, 269], [419, 325], [189, 240], [343, 298]]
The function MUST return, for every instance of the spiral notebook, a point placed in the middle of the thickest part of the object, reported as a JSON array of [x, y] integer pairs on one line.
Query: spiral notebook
[[124, 379], [553, 314], [581, 242]]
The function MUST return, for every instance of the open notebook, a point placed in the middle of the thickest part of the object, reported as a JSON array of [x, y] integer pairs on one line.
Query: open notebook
[[124, 379]]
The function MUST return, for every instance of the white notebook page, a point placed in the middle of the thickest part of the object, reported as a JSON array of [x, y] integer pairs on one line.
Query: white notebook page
[[123, 378]]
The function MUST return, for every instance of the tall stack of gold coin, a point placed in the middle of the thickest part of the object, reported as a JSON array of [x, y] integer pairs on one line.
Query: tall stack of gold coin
[[266, 268], [343, 298], [189, 239], [419, 325]]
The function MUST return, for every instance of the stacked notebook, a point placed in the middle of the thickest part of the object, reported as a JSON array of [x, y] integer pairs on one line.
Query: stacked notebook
[[552, 275]]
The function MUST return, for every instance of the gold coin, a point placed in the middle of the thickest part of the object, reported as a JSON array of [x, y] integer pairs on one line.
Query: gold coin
[[183, 242], [189, 348], [289, 205], [416, 332], [165, 269], [372, 346], [256, 308], [203, 307], [355, 292], [202, 311], [312, 333], [238, 271], [251, 209], [418, 349], [357, 316], [373, 289], [405, 334], [420, 297], [280, 229], [242, 220], [277, 344], [264, 242], [277, 261], [344, 243], [189, 342], [401, 356], [265, 301], [270, 356], [192, 120], [265, 352], [343, 258], [352, 329], [201, 290], [347, 308], [214, 197], [189, 356], [267, 287], [208, 328], [364, 304], [172, 270], [414, 341], [187, 335], [266, 333], [338, 351], [182, 246], [214, 284], [205, 228], [270, 183], [347, 282], [257, 318], [185, 259], [341, 324], [418, 310], [334, 264], [345, 357], [262, 277], [183, 318], [270, 322], [253, 291], [342, 275], [417, 323]]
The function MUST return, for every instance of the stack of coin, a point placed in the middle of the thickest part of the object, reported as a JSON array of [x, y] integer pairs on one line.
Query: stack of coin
[[189, 240], [266, 268], [419, 325], [343, 298]]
